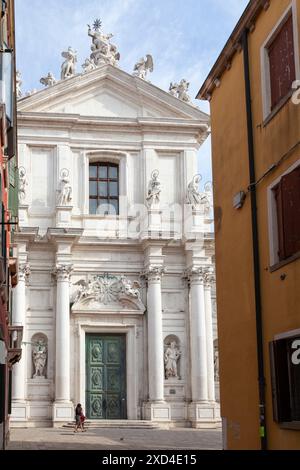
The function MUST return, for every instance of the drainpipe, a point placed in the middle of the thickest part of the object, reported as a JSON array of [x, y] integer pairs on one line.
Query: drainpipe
[[255, 248]]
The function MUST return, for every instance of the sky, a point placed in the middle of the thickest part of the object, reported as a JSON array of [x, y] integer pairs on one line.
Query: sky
[[184, 37]]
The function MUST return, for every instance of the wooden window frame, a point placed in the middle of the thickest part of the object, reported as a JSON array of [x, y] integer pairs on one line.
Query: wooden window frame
[[285, 247], [107, 180], [275, 101], [275, 262], [268, 112]]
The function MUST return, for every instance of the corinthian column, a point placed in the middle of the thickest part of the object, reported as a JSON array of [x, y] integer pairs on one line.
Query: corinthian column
[[155, 334], [19, 319], [198, 335], [208, 281], [63, 408]]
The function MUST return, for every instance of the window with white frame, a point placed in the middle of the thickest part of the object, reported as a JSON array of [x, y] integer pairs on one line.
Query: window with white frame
[[103, 188], [280, 62]]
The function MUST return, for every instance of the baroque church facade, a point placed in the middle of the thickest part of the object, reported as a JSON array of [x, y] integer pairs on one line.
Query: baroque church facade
[[115, 252]]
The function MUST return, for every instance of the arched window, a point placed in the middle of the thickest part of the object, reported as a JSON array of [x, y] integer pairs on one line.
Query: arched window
[[104, 188]]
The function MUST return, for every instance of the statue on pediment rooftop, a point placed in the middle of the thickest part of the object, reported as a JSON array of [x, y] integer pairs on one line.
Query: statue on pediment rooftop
[[143, 66], [180, 90], [103, 52], [88, 65], [68, 68], [49, 80]]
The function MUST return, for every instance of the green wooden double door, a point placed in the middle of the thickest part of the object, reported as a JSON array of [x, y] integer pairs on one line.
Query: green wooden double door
[[105, 376]]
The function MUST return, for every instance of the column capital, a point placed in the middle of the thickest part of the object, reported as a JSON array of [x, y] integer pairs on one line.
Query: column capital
[[63, 272], [24, 272], [209, 278], [195, 275], [200, 275], [153, 273]]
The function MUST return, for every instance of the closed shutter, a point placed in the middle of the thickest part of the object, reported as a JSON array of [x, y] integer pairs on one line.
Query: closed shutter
[[282, 62], [278, 198], [290, 187]]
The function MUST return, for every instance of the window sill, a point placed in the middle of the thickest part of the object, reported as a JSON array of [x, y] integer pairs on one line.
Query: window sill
[[282, 263], [278, 107], [292, 425]]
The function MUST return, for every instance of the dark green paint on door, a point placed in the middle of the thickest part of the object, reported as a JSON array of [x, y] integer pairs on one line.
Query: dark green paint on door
[[105, 376]]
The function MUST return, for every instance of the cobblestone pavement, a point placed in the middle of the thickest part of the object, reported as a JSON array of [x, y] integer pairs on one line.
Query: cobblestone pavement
[[114, 439]]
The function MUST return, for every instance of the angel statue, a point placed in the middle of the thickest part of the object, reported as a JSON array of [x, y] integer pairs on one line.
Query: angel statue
[[143, 66], [180, 90], [68, 67], [102, 50], [183, 91], [65, 193], [39, 358], [154, 189], [49, 80]]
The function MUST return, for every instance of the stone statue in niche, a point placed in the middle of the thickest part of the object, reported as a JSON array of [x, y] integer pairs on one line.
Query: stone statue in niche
[[195, 197], [39, 358], [22, 183], [154, 189], [65, 192], [171, 357], [216, 365], [68, 66]]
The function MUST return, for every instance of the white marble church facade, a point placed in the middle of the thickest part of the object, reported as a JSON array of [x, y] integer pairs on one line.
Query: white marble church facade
[[116, 309]]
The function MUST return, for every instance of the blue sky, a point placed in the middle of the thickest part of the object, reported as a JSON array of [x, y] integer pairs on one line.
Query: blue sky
[[184, 37]]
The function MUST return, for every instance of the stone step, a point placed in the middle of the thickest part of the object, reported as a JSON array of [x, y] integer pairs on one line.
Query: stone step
[[116, 423]]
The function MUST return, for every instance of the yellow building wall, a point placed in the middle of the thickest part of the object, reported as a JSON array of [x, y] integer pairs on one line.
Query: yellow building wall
[[234, 266]]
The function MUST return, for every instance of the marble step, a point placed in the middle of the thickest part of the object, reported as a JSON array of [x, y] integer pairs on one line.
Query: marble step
[[116, 423]]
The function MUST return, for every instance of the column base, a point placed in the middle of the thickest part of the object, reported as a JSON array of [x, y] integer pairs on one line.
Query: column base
[[204, 415], [159, 411], [63, 411], [19, 412]]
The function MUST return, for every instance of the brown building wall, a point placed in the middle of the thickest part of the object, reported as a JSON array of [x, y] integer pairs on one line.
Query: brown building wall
[[235, 291]]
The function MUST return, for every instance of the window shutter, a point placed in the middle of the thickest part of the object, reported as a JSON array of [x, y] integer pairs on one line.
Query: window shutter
[[282, 62], [290, 189], [278, 197]]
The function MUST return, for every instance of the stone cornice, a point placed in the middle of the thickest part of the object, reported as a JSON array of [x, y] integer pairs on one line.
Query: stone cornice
[[64, 234], [141, 89]]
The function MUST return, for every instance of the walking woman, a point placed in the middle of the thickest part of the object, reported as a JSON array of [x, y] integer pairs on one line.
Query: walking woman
[[79, 418]]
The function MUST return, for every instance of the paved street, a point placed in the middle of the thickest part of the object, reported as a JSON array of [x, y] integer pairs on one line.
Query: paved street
[[113, 439]]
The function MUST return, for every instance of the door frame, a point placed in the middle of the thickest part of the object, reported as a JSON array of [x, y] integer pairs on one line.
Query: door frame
[[131, 358], [122, 364]]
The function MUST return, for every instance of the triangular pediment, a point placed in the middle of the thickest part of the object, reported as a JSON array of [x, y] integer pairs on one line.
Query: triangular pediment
[[108, 92]]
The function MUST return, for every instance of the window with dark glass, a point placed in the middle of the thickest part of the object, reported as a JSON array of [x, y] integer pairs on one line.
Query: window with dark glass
[[287, 197], [104, 188], [282, 62], [285, 377]]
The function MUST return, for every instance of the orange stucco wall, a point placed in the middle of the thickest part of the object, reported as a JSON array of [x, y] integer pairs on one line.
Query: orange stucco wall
[[235, 291]]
